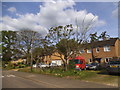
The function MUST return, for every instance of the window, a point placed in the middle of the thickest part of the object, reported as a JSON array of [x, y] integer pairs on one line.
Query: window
[[106, 48], [107, 59], [82, 51], [89, 51], [97, 50]]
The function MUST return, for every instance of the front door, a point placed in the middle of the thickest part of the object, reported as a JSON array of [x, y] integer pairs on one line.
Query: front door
[[98, 60]]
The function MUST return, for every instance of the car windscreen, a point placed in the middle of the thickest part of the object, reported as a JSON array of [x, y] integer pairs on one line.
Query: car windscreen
[[77, 61], [114, 62]]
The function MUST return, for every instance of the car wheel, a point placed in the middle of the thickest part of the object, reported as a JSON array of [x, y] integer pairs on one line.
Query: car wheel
[[95, 69], [110, 73]]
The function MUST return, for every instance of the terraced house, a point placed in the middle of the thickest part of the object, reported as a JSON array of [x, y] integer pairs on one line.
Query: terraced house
[[102, 51]]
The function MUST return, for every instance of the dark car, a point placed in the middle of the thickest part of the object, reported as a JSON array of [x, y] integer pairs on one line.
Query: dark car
[[87, 66], [113, 67], [93, 66]]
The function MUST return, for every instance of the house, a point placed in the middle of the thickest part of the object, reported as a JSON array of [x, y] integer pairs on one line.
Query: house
[[17, 61], [54, 58], [103, 51]]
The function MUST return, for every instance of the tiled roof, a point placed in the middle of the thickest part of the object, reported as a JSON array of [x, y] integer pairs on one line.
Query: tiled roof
[[110, 42]]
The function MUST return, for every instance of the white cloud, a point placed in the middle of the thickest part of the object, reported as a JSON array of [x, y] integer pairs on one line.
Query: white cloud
[[115, 13], [51, 14], [12, 9]]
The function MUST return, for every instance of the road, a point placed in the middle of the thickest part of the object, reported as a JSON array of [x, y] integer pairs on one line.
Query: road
[[14, 79]]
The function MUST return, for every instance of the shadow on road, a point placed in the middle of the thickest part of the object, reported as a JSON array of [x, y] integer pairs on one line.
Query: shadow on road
[[106, 73]]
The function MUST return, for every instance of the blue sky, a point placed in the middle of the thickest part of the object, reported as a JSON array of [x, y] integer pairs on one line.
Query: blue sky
[[106, 11]]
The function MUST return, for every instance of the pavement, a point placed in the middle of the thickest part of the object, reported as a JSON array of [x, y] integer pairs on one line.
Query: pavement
[[15, 79]]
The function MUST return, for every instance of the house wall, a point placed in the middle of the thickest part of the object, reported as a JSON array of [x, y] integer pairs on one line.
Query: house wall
[[47, 59], [114, 52], [100, 54], [117, 48], [54, 56], [58, 62]]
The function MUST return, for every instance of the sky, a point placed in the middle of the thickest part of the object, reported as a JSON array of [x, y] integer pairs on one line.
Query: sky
[[40, 16]]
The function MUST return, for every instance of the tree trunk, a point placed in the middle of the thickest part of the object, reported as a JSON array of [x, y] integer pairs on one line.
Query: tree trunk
[[31, 62], [65, 57], [93, 58]]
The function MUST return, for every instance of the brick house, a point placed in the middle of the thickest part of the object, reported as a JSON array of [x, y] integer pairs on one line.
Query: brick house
[[54, 58], [103, 51]]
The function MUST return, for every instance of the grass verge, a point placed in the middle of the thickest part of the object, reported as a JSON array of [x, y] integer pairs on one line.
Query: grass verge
[[88, 75]]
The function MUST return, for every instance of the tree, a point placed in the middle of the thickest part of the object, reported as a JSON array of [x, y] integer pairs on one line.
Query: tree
[[27, 41], [60, 32], [104, 36], [66, 48], [39, 53], [62, 38], [8, 45], [93, 38], [83, 28], [82, 32]]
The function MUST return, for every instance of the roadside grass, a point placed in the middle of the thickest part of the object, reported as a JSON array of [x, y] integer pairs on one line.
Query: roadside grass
[[86, 75], [11, 66]]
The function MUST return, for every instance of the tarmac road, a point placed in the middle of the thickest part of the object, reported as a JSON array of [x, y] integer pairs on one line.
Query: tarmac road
[[14, 79]]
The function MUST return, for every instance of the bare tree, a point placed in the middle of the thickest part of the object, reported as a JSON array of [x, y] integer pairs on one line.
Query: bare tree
[[27, 41], [82, 29], [82, 32]]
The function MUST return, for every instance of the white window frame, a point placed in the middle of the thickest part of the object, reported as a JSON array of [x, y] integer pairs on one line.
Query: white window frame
[[107, 49], [97, 50], [90, 60], [89, 51]]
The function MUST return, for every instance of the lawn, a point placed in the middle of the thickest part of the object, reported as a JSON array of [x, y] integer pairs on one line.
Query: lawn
[[87, 75]]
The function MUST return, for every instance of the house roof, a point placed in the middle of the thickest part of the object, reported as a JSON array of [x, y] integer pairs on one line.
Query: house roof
[[110, 42]]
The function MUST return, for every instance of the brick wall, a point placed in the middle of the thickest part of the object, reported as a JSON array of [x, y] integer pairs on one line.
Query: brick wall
[[114, 52], [117, 48], [100, 54]]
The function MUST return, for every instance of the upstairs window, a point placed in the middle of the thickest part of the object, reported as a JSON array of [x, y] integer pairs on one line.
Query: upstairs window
[[89, 51], [97, 50], [106, 48]]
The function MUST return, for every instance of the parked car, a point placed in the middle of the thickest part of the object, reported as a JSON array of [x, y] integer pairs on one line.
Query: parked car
[[35, 65], [53, 65], [42, 65], [79, 63], [113, 67], [93, 66], [87, 66]]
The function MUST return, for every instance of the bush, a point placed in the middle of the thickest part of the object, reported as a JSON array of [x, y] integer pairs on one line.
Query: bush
[[71, 65]]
